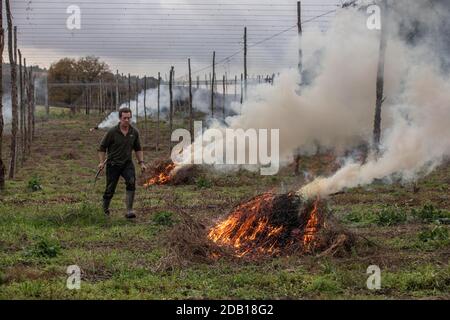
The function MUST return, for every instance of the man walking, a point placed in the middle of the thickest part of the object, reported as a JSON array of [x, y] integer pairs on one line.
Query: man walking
[[119, 142]]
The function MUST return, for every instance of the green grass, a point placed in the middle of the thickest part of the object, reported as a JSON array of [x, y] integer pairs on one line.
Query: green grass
[[51, 218]]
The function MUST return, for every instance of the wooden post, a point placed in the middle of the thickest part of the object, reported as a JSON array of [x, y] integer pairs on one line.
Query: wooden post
[[212, 84], [245, 62], [129, 91], [2, 45], [22, 110], [117, 90], [198, 82], [145, 109], [191, 117], [33, 104], [137, 99], [242, 88], [224, 93], [380, 76], [300, 32], [89, 99], [100, 96], [14, 99], [235, 88], [158, 112], [171, 108], [30, 110]]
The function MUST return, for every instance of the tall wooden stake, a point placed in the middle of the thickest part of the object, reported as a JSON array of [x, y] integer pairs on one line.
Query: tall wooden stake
[[145, 109], [137, 99], [129, 91], [22, 111], [171, 107], [300, 32], [117, 90], [242, 88], [191, 117], [245, 62], [2, 46], [158, 112], [212, 84], [380, 76], [224, 93], [14, 99]]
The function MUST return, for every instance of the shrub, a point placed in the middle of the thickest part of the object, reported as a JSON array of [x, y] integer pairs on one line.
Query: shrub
[[203, 183], [428, 213], [390, 216], [164, 218], [34, 184], [44, 248], [435, 234]]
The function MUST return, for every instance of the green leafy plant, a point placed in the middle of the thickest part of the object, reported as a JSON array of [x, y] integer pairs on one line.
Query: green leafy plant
[[34, 184], [390, 216], [164, 218], [428, 213], [44, 248], [203, 183], [437, 233]]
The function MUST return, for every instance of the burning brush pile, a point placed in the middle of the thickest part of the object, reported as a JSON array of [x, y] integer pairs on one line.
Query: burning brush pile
[[164, 172], [272, 224], [267, 225]]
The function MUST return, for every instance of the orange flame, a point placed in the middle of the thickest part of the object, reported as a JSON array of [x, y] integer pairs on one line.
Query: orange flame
[[311, 226], [162, 178], [240, 230]]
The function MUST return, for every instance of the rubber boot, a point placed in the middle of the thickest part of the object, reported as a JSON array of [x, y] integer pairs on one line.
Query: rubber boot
[[129, 201], [106, 203]]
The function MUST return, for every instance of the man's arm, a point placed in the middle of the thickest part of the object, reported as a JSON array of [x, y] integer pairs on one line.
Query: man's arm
[[106, 141], [139, 152], [102, 159]]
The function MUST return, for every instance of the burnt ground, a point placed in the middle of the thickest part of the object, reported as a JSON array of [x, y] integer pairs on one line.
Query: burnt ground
[[61, 224]]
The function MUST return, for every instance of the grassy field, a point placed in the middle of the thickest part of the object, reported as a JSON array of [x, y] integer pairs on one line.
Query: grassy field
[[50, 218]]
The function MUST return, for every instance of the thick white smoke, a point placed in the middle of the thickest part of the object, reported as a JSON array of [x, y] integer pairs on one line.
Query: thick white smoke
[[336, 110], [7, 116], [417, 141]]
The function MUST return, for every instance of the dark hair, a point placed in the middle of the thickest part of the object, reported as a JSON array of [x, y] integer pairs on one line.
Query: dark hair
[[124, 110]]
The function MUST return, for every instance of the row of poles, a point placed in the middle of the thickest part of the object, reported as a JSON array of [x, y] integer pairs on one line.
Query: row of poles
[[22, 100]]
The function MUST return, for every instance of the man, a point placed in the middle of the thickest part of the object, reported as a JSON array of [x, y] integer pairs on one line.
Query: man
[[119, 142]]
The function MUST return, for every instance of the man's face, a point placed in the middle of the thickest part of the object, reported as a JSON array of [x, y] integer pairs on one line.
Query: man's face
[[125, 119]]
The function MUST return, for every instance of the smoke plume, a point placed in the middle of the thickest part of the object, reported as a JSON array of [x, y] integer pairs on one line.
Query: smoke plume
[[335, 110]]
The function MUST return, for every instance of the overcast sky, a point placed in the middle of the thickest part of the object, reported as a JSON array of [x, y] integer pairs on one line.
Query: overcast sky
[[147, 36]]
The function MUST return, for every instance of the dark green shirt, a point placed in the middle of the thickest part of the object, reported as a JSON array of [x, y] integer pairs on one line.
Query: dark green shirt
[[120, 147]]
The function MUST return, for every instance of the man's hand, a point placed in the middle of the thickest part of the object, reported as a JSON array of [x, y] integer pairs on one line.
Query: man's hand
[[143, 166], [101, 165]]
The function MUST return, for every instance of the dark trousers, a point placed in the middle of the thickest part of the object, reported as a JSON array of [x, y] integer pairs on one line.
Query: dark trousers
[[114, 172]]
